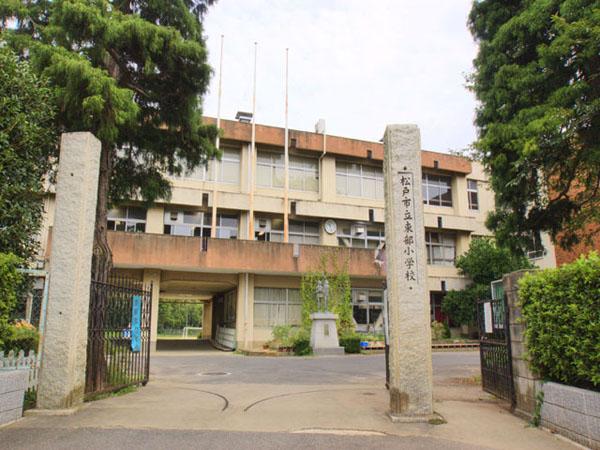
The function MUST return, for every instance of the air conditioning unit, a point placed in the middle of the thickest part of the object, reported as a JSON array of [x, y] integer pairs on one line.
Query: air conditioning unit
[[262, 224], [358, 229]]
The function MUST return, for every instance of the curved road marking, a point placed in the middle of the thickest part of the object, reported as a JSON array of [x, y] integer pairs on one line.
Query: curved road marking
[[299, 393]]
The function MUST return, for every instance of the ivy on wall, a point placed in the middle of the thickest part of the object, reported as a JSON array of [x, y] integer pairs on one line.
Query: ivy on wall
[[340, 292]]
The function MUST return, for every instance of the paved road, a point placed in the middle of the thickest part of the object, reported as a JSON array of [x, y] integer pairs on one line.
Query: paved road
[[280, 403], [207, 368], [102, 439]]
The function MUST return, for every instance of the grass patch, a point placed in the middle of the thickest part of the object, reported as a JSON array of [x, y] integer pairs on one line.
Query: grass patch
[[103, 395]]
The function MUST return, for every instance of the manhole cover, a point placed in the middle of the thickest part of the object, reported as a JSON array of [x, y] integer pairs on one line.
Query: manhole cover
[[213, 374]]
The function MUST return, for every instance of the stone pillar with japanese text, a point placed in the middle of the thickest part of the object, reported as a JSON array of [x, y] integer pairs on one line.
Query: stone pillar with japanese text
[[410, 386]]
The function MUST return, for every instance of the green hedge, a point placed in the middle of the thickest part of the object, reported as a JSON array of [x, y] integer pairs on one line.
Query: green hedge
[[351, 343], [561, 309], [10, 280]]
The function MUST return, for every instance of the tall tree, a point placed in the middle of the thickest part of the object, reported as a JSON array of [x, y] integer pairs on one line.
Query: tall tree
[[132, 72], [27, 144], [537, 78], [483, 263]]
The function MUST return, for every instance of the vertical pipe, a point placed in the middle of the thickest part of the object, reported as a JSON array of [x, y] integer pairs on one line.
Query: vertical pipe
[[213, 223], [252, 154], [286, 160], [246, 311]]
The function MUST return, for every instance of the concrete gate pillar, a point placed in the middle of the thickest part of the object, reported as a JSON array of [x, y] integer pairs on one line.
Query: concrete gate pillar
[[411, 387], [153, 276], [62, 376]]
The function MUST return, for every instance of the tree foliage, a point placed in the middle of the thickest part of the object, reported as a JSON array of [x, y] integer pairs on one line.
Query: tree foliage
[[561, 309], [10, 280], [483, 263], [176, 316], [131, 72], [537, 78], [27, 143]]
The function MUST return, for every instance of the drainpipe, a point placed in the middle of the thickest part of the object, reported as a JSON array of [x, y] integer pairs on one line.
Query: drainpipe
[[321, 177], [213, 223], [286, 161], [246, 312], [252, 155]]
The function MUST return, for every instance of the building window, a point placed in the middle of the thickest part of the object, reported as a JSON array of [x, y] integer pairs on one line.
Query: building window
[[535, 248], [473, 194], [437, 190], [227, 170], [229, 308], [300, 232], [270, 172], [192, 223], [269, 169], [357, 180], [360, 235], [128, 218], [441, 248], [227, 226], [367, 305], [304, 174], [273, 306], [187, 223], [435, 306]]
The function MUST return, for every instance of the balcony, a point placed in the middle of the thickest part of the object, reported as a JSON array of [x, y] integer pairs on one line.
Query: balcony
[[144, 250]]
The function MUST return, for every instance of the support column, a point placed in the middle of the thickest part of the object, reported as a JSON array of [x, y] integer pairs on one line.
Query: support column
[[62, 377], [526, 384], [244, 313], [153, 276], [207, 320], [411, 385]]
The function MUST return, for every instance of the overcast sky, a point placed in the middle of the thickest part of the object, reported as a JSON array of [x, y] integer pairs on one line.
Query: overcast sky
[[359, 65]]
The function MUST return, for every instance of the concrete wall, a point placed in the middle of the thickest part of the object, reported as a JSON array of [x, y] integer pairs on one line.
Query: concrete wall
[[526, 384], [572, 412], [13, 384]]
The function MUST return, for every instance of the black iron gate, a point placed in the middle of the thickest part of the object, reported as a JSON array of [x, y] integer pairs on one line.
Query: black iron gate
[[118, 352], [494, 348]]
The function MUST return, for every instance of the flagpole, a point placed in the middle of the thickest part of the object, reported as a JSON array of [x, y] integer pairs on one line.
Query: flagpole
[[286, 160], [252, 158], [213, 223]]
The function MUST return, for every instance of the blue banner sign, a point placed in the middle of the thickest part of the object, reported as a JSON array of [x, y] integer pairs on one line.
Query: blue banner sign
[[136, 323]]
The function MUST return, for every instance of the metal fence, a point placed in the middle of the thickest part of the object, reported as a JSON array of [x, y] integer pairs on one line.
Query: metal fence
[[494, 348], [118, 353]]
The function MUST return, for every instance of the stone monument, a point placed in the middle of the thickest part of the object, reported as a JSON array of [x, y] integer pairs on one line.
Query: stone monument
[[323, 335], [62, 377], [410, 386]]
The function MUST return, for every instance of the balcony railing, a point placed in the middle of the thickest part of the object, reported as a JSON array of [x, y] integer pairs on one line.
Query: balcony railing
[[145, 250]]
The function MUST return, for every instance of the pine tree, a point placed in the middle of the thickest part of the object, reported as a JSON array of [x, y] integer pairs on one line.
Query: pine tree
[[131, 72], [537, 77]]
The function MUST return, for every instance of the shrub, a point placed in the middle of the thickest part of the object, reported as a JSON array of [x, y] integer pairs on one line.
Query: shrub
[[561, 309], [301, 343], [10, 280], [351, 343], [439, 331], [23, 336]]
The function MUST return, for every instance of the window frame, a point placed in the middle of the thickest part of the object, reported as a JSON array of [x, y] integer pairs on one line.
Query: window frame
[[364, 237], [429, 247], [470, 191], [342, 169], [272, 320], [427, 183], [368, 305], [128, 221]]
